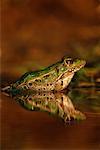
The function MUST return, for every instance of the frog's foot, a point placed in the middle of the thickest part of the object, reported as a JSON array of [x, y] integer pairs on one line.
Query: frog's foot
[[6, 90], [73, 115]]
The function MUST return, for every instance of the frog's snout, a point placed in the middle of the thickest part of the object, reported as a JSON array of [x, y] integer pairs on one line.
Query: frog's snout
[[81, 63]]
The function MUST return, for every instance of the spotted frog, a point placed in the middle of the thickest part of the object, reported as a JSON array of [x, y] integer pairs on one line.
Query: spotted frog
[[53, 78]]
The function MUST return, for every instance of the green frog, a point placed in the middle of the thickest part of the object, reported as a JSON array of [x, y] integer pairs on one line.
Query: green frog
[[57, 104], [53, 78]]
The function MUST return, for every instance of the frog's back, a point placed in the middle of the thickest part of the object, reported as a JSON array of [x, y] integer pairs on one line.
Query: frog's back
[[35, 74]]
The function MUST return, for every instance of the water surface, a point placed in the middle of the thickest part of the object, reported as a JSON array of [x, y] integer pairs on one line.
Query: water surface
[[23, 129]]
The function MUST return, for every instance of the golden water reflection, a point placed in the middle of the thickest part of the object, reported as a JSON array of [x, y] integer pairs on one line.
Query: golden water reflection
[[24, 129], [56, 103]]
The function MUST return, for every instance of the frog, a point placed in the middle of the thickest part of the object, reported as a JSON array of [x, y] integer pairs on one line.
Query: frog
[[57, 104], [56, 77]]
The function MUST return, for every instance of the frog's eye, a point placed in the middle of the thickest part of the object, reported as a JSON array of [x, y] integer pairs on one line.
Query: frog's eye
[[69, 61]]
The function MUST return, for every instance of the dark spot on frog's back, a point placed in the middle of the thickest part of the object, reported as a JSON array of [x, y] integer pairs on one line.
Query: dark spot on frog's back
[[62, 83], [44, 88], [46, 76], [30, 98], [30, 84], [38, 80]]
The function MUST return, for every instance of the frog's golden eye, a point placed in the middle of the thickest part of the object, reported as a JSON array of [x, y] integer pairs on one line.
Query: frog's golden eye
[[69, 61]]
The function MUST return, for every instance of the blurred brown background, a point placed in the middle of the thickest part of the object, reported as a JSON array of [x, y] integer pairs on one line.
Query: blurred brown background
[[38, 33]]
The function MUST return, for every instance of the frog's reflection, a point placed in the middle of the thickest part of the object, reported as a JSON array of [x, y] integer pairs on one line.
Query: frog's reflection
[[57, 104]]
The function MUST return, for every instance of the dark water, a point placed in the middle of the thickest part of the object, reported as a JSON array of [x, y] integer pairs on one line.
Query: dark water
[[24, 130]]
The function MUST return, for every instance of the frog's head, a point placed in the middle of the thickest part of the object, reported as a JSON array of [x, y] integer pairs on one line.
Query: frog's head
[[73, 65]]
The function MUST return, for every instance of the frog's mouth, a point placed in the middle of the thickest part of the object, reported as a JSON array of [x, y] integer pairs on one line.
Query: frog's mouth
[[76, 66]]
